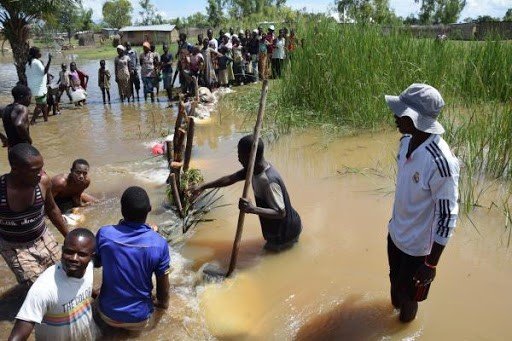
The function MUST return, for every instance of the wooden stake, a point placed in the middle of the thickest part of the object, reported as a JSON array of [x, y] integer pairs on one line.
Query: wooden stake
[[248, 177], [169, 151], [190, 142], [175, 195]]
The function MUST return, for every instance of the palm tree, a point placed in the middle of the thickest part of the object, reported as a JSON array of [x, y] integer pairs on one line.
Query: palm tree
[[16, 16]]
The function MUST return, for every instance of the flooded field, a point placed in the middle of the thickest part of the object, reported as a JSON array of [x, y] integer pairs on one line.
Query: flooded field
[[333, 285]]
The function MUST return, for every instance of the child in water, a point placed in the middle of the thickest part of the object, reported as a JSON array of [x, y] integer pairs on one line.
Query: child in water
[[104, 81], [280, 223]]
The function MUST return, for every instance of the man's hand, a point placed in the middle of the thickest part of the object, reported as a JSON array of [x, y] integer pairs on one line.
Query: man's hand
[[245, 206], [194, 191], [159, 305], [424, 275]]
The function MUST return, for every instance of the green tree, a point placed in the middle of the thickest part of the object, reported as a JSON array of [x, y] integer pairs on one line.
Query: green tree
[[16, 16], [117, 13], [440, 11], [366, 10], [508, 15], [214, 12], [149, 14]]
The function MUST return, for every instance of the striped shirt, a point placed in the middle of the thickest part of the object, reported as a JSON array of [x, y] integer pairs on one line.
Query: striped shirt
[[21, 227], [61, 306], [425, 208]]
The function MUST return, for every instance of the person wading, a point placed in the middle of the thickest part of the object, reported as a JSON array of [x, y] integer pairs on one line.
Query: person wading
[[425, 208], [26, 244], [37, 80], [280, 223], [15, 117], [68, 190], [130, 253]]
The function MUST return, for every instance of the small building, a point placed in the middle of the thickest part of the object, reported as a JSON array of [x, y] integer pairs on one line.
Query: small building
[[155, 34], [109, 32]]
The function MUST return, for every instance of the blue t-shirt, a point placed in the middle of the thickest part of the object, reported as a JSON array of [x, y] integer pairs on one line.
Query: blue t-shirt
[[130, 253]]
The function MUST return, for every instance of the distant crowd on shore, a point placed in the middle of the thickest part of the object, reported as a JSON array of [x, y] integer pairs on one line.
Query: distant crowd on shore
[[213, 61]]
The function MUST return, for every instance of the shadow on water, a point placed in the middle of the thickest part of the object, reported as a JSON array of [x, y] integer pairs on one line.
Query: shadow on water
[[354, 319], [11, 301]]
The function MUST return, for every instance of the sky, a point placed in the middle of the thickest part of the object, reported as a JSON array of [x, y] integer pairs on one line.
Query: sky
[[178, 8]]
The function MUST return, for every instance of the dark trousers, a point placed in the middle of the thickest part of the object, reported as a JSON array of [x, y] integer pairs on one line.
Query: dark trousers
[[402, 268]]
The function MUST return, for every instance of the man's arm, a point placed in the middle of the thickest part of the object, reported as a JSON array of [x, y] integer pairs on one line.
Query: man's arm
[[162, 291], [51, 209], [246, 206], [224, 181], [21, 330], [47, 68], [20, 123], [87, 198], [444, 188]]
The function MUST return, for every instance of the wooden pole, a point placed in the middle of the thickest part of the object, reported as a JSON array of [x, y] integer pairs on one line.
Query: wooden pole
[[176, 195], [190, 142], [248, 177], [169, 151]]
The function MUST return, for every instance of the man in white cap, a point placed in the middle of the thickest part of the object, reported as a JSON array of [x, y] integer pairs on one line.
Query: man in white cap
[[425, 208]]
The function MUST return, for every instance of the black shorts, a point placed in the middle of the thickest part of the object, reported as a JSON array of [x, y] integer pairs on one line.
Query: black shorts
[[402, 268]]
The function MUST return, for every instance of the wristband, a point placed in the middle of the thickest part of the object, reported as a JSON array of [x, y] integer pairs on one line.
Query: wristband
[[433, 267]]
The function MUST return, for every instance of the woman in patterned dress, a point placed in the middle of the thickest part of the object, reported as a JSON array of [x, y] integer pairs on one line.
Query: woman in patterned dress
[[122, 72]]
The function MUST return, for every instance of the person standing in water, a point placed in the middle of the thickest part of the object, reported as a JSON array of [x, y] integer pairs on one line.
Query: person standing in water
[[425, 208], [280, 223], [122, 65], [36, 80], [26, 244], [166, 60], [15, 117], [104, 81]]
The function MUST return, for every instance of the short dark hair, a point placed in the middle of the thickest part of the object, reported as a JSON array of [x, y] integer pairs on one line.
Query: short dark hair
[[135, 204], [79, 162], [20, 91], [245, 145], [82, 232], [33, 52], [21, 152]]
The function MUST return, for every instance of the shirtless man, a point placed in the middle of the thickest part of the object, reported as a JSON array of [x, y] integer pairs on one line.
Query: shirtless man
[[68, 190], [15, 117], [26, 244]]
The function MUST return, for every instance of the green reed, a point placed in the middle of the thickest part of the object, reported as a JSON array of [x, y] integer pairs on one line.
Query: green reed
[[340, 75], [342, 72]]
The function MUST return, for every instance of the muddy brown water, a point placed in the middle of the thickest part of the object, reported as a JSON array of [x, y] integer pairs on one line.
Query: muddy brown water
[[332, 285]]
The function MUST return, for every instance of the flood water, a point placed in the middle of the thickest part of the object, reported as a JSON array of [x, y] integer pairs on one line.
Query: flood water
[[333, 285]]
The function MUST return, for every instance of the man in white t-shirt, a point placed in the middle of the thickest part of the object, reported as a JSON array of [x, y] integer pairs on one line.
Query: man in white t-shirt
[[37, 81], [59, 302], [425, 208]]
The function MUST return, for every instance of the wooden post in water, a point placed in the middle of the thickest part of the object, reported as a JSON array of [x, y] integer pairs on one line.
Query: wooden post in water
[[176, 195], [190, 142], [248, 177], [169, 151]]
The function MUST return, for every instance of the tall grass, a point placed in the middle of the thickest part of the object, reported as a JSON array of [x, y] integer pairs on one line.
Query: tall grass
[[341, 74]]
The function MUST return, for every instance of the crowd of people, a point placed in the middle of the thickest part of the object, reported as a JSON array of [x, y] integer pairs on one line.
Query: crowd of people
[[62, 304]]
